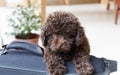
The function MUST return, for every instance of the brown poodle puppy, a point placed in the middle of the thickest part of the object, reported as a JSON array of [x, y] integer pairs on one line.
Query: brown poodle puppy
[[64, 39]]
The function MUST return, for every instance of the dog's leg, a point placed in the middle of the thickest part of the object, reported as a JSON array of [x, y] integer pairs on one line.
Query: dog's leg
[[82, 64], [55, 64]]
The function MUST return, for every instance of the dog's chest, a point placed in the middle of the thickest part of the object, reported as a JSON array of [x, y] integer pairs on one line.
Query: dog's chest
[[67, 55]]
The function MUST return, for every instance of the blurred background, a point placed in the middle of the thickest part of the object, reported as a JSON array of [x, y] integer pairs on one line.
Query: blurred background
[[100, 19]]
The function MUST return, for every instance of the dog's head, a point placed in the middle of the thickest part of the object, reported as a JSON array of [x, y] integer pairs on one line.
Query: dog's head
[[61, 32]]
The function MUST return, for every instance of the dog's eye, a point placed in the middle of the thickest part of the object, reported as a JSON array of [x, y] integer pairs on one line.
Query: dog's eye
[[49, 36], [71, 36]]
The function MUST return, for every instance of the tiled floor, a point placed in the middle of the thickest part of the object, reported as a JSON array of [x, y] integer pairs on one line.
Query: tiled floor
[[103, 34]]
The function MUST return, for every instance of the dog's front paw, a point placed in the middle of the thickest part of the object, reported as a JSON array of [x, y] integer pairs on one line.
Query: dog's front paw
[[83, 65], [85, 69], [58, 70]]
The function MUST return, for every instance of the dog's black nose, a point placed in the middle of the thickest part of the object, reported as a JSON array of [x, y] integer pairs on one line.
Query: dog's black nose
[[61, 53]]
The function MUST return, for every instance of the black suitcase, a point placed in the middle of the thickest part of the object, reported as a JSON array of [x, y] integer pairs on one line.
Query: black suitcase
[[22, 58]]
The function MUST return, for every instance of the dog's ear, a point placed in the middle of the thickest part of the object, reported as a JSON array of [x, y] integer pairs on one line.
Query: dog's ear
[[44, 38], [79, 36], [82, 40]]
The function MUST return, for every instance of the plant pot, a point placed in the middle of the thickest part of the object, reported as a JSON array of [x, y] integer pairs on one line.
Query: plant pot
[[33, 40]]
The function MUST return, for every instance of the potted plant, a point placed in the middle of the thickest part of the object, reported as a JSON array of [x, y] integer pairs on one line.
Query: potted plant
[[26, 22]]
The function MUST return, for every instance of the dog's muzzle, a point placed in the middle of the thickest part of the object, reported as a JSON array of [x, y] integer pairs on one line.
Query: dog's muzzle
[[59, 44]]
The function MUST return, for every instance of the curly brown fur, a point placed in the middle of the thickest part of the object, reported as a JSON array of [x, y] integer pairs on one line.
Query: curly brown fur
[[64, 39]]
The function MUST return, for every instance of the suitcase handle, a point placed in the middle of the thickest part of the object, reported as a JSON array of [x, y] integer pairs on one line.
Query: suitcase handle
[[22, 45]]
